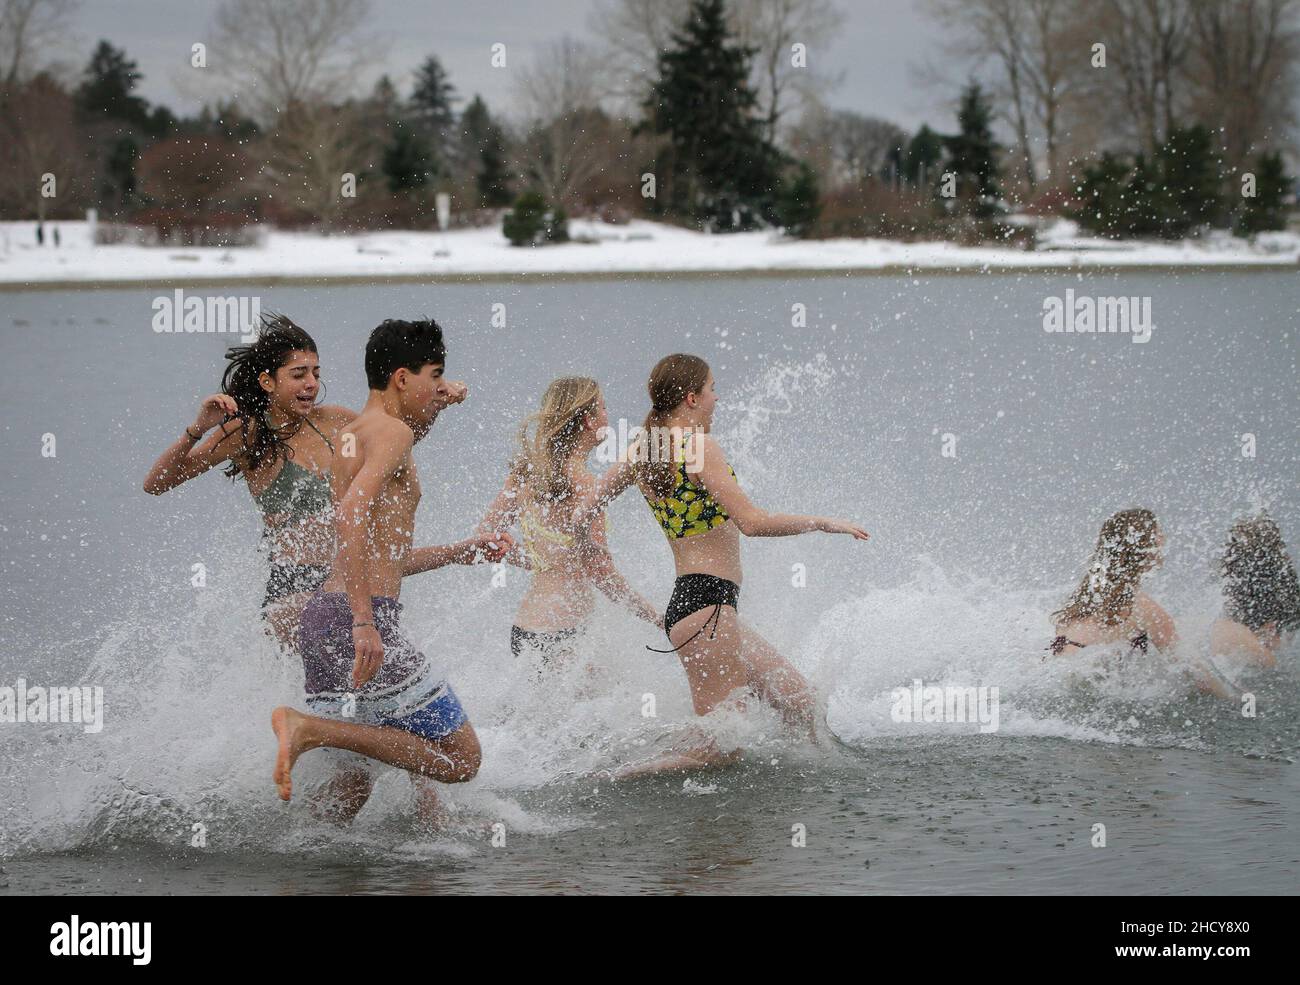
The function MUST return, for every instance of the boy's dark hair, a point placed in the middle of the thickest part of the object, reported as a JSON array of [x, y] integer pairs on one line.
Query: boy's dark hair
[[395, 345]]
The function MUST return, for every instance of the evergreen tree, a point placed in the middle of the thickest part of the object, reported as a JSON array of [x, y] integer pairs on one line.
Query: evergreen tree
[[1146, 208], [384, 99], [1267, 209], [921, 160], [1101, 196], [1192, 175], [723, 171], [531, 223], [797, 204], [972, 153], [408, 162], [107, 91], [483, 151], [432, 97], [119, 174]]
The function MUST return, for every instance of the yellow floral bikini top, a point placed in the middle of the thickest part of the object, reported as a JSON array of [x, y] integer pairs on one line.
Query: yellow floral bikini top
[[535, 531], [689, 509]]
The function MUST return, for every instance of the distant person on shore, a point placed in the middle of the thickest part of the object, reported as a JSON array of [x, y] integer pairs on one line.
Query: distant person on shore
[[1109, 606], [693, 495], [373, 692], [546, 480], [265, 423], [1261, 605]]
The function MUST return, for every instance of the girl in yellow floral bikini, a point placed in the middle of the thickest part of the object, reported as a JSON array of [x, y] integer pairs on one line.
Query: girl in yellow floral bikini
[[703, 517]]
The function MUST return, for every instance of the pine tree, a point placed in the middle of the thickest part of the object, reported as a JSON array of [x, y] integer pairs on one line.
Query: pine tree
[[483, 153], [119, 174], [385, 99], [1101, 197], [107, 92], [972, 153], [924, 152], [432, 97], [1192, 175], [797, 205], [721, 166], [1267, 209], [1146, 209], [408, 161]]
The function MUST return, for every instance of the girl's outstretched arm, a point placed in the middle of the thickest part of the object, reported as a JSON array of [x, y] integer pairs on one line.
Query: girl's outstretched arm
[[599, 566], [753, 520], [501, 516]]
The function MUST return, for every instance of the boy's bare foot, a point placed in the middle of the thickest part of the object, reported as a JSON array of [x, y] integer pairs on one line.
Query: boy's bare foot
[[286, 722]]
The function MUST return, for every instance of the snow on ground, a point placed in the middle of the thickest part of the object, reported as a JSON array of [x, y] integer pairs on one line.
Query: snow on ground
[[637, 247]]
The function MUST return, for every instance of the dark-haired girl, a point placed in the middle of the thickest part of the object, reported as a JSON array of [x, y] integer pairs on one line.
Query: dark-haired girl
[[266, 425]]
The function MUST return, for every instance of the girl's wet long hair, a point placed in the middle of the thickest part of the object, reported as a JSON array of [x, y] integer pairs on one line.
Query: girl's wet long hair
[[548, 438], [1259, 580], [1126, 550], [670, 381], [277, 339]]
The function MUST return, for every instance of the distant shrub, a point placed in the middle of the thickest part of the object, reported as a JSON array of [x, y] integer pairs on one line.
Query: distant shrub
[[532, 223]]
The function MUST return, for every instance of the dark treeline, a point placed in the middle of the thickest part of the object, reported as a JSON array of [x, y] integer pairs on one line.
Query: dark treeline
[[1136, 117]]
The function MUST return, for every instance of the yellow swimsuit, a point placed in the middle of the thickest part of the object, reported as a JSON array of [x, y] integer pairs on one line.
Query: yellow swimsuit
[[535, 531], [689, 510]]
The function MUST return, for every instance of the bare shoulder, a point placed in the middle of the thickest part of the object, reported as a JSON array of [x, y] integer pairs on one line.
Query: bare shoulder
[[1146, 606], [334, 415], [383, 433], [712, 447]]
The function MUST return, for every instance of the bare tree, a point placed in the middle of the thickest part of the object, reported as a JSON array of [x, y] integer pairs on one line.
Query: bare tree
[[280, 53], [632, 34], [559, 93], [1147, 43], [26, 27], [313, 146], [847, 148], [773, 27], [1041, 57], [39, 135], [996, 30], [1242, 70]]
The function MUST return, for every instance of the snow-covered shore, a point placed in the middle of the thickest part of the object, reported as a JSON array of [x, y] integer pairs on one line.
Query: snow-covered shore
[[638, 247]]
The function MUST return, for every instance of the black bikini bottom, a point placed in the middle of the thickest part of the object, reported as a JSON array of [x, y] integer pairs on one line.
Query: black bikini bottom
[[547, 643], [691, 593], [291, 579]]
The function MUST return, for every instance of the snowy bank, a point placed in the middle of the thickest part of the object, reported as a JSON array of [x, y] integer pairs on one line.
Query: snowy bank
[[638, 247]]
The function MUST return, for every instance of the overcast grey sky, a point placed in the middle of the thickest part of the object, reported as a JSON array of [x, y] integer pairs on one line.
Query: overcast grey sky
[[880, 43]]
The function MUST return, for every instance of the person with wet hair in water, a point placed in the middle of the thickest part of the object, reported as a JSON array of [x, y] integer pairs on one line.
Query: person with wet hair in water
[[694, 496], [269, 430], [1261, 595], [545, 480], [1109, 605]]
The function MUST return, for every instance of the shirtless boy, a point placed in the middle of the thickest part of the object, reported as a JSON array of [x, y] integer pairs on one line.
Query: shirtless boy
[[373, 692]]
